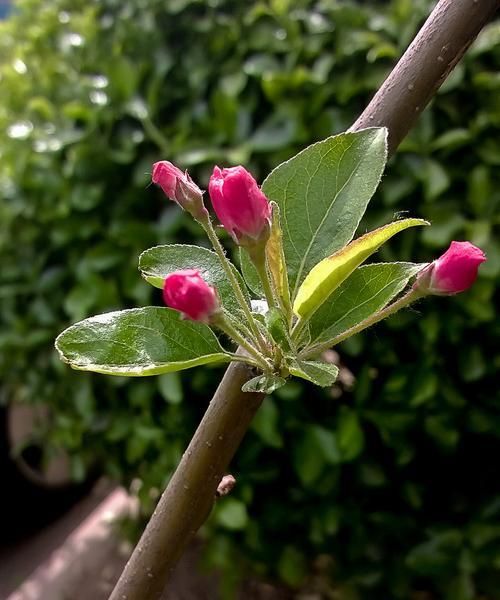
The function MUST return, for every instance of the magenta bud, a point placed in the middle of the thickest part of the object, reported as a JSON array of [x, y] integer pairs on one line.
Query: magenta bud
[[453, 272], [180, 188], [187, 292], [240, 205]]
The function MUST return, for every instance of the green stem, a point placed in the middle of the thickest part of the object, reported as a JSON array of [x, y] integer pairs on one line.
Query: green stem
[[244, 359], [238, 324], [258, 257], [297, 330], [208, 227], [222, 323], [405, 300]]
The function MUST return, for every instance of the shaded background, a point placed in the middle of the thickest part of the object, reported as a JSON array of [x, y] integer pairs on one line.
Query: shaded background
[[377, 490]]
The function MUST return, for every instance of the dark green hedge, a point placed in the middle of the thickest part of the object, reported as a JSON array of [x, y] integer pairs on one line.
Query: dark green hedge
[[389, 488]]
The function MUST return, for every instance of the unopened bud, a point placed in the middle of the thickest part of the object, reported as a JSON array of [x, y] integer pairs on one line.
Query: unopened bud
[[453, 272], [240, 205], [180, 188], [187, 292]]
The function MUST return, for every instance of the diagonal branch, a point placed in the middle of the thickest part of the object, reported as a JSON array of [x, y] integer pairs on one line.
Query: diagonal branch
[[439, 45], [188, 498]]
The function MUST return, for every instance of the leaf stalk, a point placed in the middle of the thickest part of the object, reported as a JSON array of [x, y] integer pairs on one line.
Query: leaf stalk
[[411, 296]]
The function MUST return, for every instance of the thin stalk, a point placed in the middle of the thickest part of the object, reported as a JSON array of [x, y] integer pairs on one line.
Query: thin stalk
[[238, 324], [207, 225], [244, 359], [405, 300], [232, 332], [297, 330]]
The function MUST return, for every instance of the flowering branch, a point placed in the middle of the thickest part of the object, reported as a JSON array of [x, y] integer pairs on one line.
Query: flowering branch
[[244, 211]]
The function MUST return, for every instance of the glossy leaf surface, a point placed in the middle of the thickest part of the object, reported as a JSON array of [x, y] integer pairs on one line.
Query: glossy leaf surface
[[138, 342]]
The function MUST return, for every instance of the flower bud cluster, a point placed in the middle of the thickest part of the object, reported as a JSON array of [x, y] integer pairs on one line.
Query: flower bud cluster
[[243, 210]]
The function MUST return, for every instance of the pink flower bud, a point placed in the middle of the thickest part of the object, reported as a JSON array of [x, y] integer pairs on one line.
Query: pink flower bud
[[453, 272], [180, 188], [189, 293], [240, 205]]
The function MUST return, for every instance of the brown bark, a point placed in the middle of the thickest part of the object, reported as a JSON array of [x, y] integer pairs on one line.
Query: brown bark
[[440, 44], [190, 494]]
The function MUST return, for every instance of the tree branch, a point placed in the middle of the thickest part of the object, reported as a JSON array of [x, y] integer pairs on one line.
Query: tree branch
[[440, 44], [188, 499]]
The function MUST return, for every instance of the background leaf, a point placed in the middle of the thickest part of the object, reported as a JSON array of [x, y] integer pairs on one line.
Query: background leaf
[[156, 263], [138, 342], [322, 193]]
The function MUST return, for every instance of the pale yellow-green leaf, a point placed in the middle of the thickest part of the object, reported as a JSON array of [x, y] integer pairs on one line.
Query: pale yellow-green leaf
[[328, 274], [276, 260]]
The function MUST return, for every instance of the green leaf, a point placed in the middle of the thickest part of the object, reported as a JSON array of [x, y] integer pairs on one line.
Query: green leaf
[[322, 193], [170, 387], [292, 566], [232, 514], [266, 424], [138, 342], [435, 179], [264, 383], [327, 275], [319, 373], [250, 274], [156, 263], [350, 435], [276, 261], [315, 448], [368, 289], [278, 329]]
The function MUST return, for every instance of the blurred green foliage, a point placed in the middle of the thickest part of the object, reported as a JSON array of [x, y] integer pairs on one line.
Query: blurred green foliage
[[396, 481]]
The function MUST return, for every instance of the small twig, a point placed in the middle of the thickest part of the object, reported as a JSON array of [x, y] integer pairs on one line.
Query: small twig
[[411, 296], [225, 486]]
